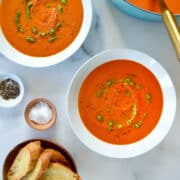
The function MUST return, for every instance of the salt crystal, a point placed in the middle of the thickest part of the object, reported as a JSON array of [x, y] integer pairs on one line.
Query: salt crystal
[[41, 113]]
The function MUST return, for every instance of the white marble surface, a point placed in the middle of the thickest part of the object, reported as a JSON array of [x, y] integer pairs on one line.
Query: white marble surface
[[110, 29]]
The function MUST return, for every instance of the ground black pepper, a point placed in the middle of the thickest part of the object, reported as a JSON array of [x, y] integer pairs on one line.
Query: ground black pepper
[[9, 89]]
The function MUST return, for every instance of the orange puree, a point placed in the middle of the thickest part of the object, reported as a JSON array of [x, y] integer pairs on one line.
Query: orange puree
[[43, 28], [120, 102], [152, 5]]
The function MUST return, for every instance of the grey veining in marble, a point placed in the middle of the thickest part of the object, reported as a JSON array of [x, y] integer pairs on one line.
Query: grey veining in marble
[[110, 29]]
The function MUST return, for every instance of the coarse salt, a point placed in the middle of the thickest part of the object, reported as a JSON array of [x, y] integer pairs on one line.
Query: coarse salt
[[41, 113]]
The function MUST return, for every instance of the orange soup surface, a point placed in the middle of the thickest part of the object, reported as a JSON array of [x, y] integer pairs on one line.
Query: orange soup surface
[[120, 102], [41, 27], [152, 5]]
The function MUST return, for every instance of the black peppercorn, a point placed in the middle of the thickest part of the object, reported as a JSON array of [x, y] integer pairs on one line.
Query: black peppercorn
[[9, 89]]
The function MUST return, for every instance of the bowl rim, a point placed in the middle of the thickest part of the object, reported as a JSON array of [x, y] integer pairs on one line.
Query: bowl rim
[[143, 145], [37, 62], [13, 102]]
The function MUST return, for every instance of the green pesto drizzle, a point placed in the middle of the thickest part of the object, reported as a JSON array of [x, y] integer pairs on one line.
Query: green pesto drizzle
[[28, 9], [148, 97], [100, 118], [138, 124]]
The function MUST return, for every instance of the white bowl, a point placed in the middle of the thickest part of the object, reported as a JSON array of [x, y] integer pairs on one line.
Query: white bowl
[[12, 102], [11, 53], [152, 139]]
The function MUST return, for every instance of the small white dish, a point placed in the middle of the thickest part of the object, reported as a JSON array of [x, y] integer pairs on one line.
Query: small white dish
[[145, 144], [14, 55], [12, 102]]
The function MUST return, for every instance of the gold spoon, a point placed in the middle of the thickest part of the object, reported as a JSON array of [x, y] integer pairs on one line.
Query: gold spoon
[[171, 25]]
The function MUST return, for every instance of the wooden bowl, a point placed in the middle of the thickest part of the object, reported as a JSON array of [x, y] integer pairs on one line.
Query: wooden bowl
[[36, 125], [45, 144]]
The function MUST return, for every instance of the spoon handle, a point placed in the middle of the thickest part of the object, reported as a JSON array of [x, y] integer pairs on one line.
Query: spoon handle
[[171, 25]]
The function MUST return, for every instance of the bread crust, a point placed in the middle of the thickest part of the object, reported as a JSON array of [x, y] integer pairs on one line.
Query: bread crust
[[57, 156], [59, 167], [45, 158], [41, 165], [34, 150]]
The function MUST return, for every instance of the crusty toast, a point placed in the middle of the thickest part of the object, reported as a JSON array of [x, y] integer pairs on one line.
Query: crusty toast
[[47, 156], [57, 156], [57, 171], [24, 161], [41, 165]]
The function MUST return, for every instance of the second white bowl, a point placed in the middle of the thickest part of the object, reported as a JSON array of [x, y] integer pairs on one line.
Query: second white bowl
[[145, 144]]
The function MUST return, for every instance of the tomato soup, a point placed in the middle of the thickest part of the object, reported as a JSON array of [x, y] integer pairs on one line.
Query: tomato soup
[[120, 102], [152, 5], [41, 27]]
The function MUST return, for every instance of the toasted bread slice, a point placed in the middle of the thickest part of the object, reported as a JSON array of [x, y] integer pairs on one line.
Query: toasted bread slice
[[57, 171], [57, 156], [40, 167], [24, 161]]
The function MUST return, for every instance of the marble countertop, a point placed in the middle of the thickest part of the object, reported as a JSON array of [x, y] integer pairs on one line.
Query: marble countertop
[[110, 29]]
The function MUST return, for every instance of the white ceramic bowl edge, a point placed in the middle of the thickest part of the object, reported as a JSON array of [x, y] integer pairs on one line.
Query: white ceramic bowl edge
[[36, 62], [151, 140]]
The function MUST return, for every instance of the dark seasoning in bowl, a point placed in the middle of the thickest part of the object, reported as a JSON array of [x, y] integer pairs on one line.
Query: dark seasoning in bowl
[[9, 89]]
